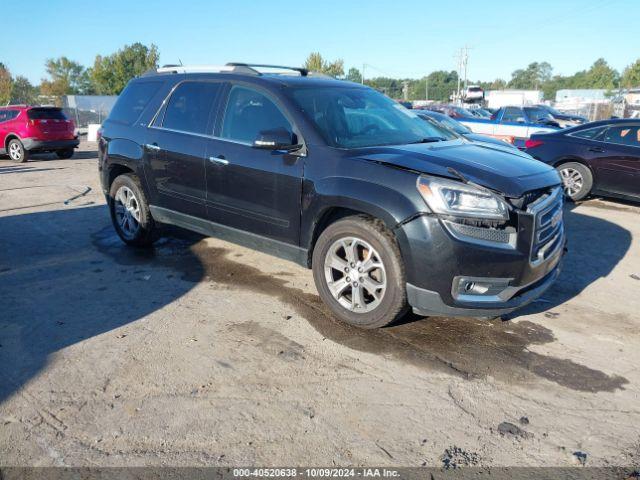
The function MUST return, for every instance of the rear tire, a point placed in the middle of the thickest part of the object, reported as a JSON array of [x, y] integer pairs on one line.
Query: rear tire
[[577, 180], [130, 213], [359, 273], [64, 154], [16, 151]]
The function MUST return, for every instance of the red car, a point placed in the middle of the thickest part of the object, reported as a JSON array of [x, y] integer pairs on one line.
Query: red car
[[25, 129]]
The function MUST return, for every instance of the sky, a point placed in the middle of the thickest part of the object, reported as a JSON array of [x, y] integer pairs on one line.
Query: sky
[[398, 39]]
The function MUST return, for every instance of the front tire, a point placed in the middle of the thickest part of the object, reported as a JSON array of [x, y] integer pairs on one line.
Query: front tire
[[65, 154], [16, 151], [359, 274], [577, 180], [130, 213]]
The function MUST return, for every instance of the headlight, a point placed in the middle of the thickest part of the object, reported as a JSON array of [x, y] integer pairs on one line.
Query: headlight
[[455, 198]]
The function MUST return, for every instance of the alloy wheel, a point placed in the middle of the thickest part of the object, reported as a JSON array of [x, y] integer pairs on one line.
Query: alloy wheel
[[355, 274], [15, 152], [572, 181], [127, 210]]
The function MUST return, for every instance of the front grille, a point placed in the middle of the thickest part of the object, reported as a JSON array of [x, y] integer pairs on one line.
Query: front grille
[[548, 232], [521, 203], [481, 233]]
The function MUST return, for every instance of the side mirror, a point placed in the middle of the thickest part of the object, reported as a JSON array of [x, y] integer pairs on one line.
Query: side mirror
[[276, 139]]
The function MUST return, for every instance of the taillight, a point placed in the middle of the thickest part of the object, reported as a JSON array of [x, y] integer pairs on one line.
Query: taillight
[[532, 143]]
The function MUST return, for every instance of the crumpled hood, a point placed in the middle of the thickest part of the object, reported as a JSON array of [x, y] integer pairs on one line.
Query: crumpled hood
[[505, 170]]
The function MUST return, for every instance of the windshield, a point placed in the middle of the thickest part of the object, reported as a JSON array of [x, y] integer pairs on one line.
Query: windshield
[[359, 117], [552, 110], [537, 114]]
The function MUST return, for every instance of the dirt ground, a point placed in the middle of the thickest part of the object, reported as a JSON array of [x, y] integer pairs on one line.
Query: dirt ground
[[200, 352]]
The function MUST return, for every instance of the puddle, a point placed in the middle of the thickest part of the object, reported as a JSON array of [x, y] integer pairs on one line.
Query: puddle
[[465, 347]]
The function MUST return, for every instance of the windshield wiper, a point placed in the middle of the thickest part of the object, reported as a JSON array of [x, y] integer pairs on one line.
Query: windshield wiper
[[429, 140]]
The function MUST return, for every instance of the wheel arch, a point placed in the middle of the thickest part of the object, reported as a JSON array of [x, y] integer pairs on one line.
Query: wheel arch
[[571, 159], [115, 170], [10, 136], [388, 205]]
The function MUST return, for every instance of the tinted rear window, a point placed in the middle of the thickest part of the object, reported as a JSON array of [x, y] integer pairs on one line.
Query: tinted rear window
[[46, 114], [590, 133], [132, 101]]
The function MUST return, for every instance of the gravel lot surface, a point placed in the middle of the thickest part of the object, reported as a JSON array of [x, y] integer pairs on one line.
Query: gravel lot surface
[[201, 352]]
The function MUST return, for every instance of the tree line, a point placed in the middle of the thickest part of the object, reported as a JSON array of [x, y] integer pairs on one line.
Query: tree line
[[439, 85], [109, 74]]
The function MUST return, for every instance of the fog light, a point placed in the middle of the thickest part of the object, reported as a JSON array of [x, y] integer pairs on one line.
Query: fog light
[[479, 288], [476, 288]]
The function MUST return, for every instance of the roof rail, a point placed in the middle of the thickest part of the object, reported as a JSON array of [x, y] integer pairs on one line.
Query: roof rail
[[234, 67], [302, 71], [206, 69]]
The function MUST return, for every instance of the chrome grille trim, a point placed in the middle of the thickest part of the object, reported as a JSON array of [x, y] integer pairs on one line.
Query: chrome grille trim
[[548, 231]]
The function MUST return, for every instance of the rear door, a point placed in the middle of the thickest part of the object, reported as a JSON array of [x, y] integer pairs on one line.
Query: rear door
[[254, 190], [617, 161], [176, 146]]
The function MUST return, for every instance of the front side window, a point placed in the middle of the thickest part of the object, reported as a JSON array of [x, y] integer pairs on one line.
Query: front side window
[[189, 107], [623, 135], [512, 115], [362, 117], [249, 113]]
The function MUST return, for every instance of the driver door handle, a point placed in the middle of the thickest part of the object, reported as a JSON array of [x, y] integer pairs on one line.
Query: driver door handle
[[152, 146], [596, 149], [220, 160]]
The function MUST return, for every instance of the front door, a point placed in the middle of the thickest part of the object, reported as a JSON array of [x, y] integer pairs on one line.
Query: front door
[[251, 189], [176, 147], [618, 160]]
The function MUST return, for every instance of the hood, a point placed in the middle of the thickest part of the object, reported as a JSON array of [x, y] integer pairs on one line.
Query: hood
[[508, 171], [494, 142]]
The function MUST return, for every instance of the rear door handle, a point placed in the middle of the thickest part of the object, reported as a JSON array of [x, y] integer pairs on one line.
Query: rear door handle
[[220, 160], [152, 146], [596, 149]]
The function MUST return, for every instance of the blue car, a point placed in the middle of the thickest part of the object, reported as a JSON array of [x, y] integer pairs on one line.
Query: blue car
[[517, 122]]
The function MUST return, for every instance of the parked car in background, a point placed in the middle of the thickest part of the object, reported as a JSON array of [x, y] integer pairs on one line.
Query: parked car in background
[[598, 157], [481, 112], [26, 129], [452, 111], [517, 122], [447, 122], [388, 211], [473, 93], [565, 120]]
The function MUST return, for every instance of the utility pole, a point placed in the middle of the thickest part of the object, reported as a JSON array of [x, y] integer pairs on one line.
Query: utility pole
[[426, 88], [466, 60], [362, 76], [405, 90], [463, 60]]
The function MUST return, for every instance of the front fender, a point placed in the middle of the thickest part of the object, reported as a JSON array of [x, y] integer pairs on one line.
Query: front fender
[[391, 204]]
